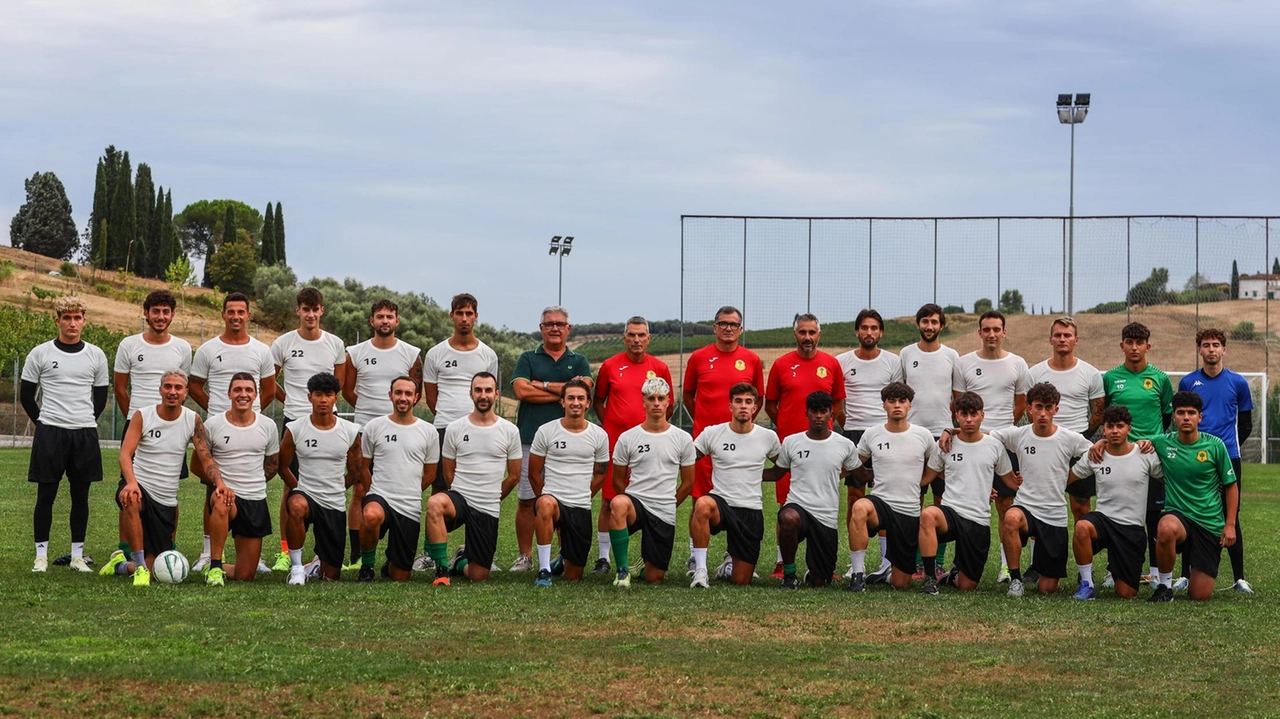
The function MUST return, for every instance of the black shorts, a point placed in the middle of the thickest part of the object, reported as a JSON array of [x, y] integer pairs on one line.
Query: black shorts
[[1002, 489], [438, 484], [402, 542], [158, 522], [1083, 488], [1049, 557], [252, 520], [1126, 547], [658, 536], [972, 540], [57, 450], [481, 536], [330, 530], [1201, 548], [855, 436], [820, 542], [576, 532], [902, 534], [744, 527]]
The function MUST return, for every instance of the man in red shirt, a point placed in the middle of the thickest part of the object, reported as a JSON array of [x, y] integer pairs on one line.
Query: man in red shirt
[[792, 378], [619, 403]]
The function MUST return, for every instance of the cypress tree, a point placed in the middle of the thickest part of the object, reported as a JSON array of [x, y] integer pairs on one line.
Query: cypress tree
[[122, 222], [1235, 281], [156, 250], [168, 233], [1275, 266], [268, 238], [280, 233], [229, 227], [140, 255], [98, 216]]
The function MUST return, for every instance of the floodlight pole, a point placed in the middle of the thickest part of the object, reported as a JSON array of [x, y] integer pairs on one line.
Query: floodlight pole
[[1071, 224], [560, 281]]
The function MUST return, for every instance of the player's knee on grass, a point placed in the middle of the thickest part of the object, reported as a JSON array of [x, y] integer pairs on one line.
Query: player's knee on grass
[[476, 573], [653, 575], [1200, 586], [1124, 591]]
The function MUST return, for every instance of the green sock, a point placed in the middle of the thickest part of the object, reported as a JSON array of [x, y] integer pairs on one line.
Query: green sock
[[789, 569], [621, 540], [942, 554], [123, 546], [919, 559], [367, 558], [438, 551]]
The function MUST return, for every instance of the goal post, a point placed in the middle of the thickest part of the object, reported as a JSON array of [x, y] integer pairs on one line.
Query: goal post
[[1253, 449]]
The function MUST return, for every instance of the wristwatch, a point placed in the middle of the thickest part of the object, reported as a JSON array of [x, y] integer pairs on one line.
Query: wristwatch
[[545, 384]]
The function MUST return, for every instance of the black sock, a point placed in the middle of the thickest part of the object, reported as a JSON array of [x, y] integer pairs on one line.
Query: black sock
[[1015, 575], [215, 564], [354, 536], [930, 566]]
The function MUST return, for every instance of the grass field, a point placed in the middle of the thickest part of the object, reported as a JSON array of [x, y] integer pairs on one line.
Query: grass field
[[88, 646]]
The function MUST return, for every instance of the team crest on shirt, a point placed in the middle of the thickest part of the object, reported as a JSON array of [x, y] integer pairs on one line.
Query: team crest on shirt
[[651, 374], [1202, 456], [1148, 383], [822, 372], [739, 365]]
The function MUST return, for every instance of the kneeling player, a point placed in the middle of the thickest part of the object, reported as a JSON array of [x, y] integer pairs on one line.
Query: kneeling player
[[738, 450], [1118, 524], [481, 461], [151, 460], [246, 447], [900, 452], [567, 462], [964, 517], [399, 453], [327, 450], [1201, 501], [817, 459], [652, 474]]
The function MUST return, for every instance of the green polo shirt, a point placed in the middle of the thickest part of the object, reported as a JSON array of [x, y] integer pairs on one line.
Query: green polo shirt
[[1194, 475], [1148, 395], [537, 366]]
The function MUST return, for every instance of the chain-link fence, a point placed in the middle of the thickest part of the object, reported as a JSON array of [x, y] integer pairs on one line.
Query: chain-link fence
[[1176, 274]]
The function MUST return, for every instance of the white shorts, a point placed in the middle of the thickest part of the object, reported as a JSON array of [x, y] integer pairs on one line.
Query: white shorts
[[524, 491]]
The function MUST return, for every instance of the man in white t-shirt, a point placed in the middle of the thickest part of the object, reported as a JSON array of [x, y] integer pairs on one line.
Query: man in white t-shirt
[[567, 463], [215, 363], [1083, 397], [653, 467], [901, 452], [964, 517], [399, 455], [300, 355], [999, 377], [738, 450], [245, 445], [482, 456], [70, 375], [320, 457], [143, 358], [369, 369]]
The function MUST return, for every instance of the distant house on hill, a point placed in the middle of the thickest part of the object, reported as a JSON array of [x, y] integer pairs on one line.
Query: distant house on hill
[[1259, 287]]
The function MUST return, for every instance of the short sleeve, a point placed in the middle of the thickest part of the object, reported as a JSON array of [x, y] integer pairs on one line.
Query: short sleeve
[[687, 456], [690, 377], [702, 443], [1023, 381], [31, 368], [515, 450], [1225, 470], [450, 448], [1155, 468], [851, 460], [200, 365], [784, 459], [957, 378], [1083, 468], [101, 374], [524, 367], [540, 441], [273, 437], [430, 373], [897, 375], [864, 445], [1003, 465], [936, 460], [266, 365], [1096, 390], [1244, 398], [366, 444], [603, 381], [1007, 436], [773, 392], [277, 351], [1081, 447], [1184, 384], [339, 350], [122, 364], [622, 452], [433, 444], [602, 447], [586, 364], [838, 391], [1166, 396], [775, 447]]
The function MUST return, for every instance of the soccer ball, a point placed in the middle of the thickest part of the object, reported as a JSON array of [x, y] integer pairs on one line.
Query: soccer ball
[[171, 567]]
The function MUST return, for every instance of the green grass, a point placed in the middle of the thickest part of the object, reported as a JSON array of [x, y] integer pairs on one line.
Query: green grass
[[90, 646]]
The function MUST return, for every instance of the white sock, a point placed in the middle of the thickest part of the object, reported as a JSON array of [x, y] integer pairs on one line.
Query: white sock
[[1031, 547], [1166, 578], [208, 546], [603, 543], [779, 555], [77, 550], [295, 557], [42, 549], [858, 560], [884, 552], [1004, 561], [1086, 574], [700, 558], [544, 557]]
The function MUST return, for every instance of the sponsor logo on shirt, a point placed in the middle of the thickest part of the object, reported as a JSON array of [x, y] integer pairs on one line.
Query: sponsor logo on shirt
[[1119, 385], [1171, 453], [711, 363], [739, 365], [794, 367], [1197, 383], [1202, 456]]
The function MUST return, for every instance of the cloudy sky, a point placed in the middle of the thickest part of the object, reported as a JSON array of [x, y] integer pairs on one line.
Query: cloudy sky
[[436, 147]]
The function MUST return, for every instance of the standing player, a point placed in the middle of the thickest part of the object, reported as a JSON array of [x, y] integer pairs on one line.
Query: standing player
[[481, 458], [1045, 453], [901, 453], [619, 404], [1228, 415], [302, 354], [738, 450], [71, 377], [927, 366], [1080, 409], [399, 453], [246, 448], [567, 463], [999, 377], [539, 376], [1147, 392], [867, 369], [215, 363], [1201, 500], [369, 369], [816, 459], [964, 517], [446, 381], [152, 456], [649, 461], [792, 378], [320, 457], [1123, 473]]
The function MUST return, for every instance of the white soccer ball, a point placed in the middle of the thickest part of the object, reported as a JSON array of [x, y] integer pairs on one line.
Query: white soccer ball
[[171, 567]]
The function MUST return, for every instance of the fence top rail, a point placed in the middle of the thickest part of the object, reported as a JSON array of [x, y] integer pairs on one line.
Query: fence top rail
[[989, 217]]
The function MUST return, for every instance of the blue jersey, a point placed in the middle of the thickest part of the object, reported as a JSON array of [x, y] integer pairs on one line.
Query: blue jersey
[[1225, 397]]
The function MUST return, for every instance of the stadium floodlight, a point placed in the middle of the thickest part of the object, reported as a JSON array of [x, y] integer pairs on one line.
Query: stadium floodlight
[[1072, 112], [566, 247], [555, 245], [561, 247]]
